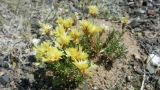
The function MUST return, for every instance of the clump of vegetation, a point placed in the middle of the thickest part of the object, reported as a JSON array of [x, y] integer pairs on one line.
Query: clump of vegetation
[[93, 10], [72, 44], [124, 21], [113, 48]]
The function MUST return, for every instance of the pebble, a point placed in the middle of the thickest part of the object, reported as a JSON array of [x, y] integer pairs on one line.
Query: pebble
[[36, 41], [4, 79], [141, 11], [137, 56], [129, 78], [2, 73], [131, 3], [153, 63], [151, 13], [95, 88]]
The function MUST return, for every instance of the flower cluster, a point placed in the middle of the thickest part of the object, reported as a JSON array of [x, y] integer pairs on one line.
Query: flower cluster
[[124, 20], [93, 10], [90, 28], [67, 23], [68, 41], [71, 43], [46, 53], [67, 38]]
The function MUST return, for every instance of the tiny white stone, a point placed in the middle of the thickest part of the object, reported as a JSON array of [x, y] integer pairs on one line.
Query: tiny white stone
[[153, 60], [35, 41], [95, 88]]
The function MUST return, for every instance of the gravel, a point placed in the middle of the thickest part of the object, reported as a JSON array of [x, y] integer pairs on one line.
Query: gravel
[[146, 18]]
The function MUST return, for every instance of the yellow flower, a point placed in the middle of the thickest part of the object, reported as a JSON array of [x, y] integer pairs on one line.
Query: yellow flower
[[93, 10], [124, 20], [63, 40], [42, 49], [46, 53], [85, 67], [53, 55], [75, 35], [59, 31], [67, 23], [45, 29], [59, 20], [76, 54], [85, 25], [89, 28], [72, 52], [83, 56], [82, 66], [95, 29]]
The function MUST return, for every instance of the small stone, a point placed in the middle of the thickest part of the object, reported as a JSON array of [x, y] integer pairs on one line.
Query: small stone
[[158, 72], [153, 63], [35, 41], [131, 3], [4, 79], [95, 88], [141, 11], [138, 70], [151, 12], [2, 73], [129, 78], [137, 56]]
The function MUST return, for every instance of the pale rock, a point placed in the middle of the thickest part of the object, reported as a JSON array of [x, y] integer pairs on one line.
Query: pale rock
[[153, 63], [35, 41]]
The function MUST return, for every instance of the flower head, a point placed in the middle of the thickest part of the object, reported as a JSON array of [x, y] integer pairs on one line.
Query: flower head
[[59, 20], [95, 29], [93, 10], [53, 55], [67, 23], [76, 54], [124, 20], [85, 25], [85, 67], [45, 29], [46, 53], [43, 47], [82, 66], [90, 28], [63, 40], [59, 31], [75, 35]]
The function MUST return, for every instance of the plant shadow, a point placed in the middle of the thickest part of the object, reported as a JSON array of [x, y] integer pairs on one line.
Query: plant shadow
[[108, 64], [43, 81]]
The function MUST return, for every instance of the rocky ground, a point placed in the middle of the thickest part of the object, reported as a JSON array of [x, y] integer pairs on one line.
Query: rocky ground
[[18, 26]]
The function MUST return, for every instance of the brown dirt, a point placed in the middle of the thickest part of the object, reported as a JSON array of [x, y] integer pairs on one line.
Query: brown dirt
[[115, 78]]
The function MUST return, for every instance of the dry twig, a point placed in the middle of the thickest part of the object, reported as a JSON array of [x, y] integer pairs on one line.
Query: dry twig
[[143, 82]]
